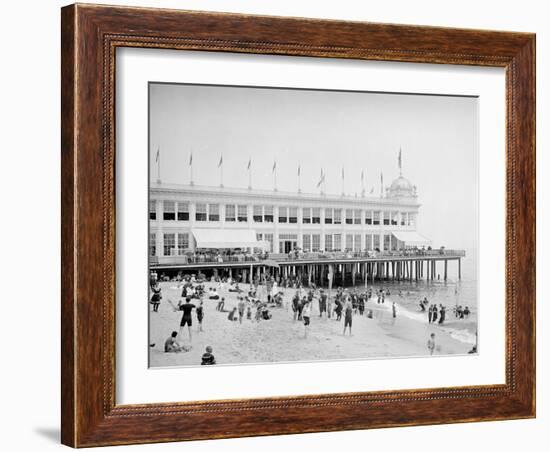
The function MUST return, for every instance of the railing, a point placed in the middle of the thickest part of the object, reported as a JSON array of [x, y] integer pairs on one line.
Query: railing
[[291, 257]]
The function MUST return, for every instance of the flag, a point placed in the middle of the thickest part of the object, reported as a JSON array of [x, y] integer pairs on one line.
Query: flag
[[190, 159], [220, 163], [321, 178], [274, 166], [249, 163], [158, 155]]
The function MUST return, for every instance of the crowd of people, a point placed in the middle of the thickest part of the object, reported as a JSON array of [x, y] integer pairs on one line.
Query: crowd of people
[[256, 302]]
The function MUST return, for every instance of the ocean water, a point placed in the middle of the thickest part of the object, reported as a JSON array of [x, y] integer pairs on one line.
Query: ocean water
[[450, 293]]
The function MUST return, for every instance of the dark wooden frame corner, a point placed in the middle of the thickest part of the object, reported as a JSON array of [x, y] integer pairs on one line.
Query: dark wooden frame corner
[[89, 37]]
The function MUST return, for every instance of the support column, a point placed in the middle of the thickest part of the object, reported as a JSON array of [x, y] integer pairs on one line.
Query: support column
[[445, 274]]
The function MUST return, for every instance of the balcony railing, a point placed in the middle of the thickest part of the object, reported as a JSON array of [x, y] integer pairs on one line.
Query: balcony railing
[[291, 257]]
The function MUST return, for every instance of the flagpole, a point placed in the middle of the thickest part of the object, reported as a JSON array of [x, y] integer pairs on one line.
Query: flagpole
[[191, 168], [221, 171], [275, 175], [299, 179], [343, 182], [158, 165], [362, 183], [250, 174]]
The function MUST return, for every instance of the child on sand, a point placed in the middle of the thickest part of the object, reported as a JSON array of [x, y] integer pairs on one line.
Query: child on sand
[[208, 358], [306, 314], [348, 314]]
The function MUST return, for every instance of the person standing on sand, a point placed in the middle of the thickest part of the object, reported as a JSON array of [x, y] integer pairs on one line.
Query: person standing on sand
[[306, 314], [241, 306], [200, 315], [348, 315], [186, 318], [431, 343], [442, 315], [394, 310]]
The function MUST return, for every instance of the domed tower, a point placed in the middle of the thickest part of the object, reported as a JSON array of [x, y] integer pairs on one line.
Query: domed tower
[[401, 187]]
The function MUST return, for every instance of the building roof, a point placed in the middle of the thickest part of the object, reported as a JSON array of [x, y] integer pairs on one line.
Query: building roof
[[273, 195]]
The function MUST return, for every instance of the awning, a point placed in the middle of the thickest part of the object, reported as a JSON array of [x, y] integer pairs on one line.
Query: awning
[[228, 238], [411, 238]]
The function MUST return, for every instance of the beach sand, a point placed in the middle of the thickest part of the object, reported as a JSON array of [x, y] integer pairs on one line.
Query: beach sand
[[281, 339]]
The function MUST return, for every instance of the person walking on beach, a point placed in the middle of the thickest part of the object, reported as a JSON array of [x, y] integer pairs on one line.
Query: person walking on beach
[[434, 313], [430, 313], [200, 315], [186, 318], [442, 312], [431, 343], [241, 306], [306, 315], [393, 312], [348, 315], [155, 299]]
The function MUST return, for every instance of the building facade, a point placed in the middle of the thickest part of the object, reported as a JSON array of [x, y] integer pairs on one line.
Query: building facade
[[311, 222]]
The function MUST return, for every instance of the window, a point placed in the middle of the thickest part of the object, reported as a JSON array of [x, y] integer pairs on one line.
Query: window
[[349, 241], [293, 215], [257, 214], [229, 212], [306, 215], [306, 243], [349, 217], [412, 219], [386, 218], [376, 217], [337, 239], [269, 238], [152, 210], [368, 242], [356, 217], [213, 212], [168, 210], [200, 214], [283, 215], [268, 214], [242, 214], [357, 242], [152, 244], [403, 218], [183, 243], [387, 241], [393, 216], [368, 217], [393, 243], [328, 216], [315, 242], [376, 241], [316, 215], [183, 211], [328, 242], [337, 216], [169, 243]]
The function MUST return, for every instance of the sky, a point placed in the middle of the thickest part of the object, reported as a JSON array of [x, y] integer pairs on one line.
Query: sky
[[329, 130]]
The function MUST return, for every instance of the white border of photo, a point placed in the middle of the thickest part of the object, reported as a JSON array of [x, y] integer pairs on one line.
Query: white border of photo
[[136, 383]]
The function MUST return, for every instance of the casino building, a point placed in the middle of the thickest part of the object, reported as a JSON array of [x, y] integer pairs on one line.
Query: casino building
[[185, 218]]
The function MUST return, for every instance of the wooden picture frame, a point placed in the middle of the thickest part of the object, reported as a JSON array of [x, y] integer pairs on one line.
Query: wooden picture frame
[[90, 35]]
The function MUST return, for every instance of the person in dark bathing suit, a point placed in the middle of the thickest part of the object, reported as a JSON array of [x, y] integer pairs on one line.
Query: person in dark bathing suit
[[186, 318], [200, 315]]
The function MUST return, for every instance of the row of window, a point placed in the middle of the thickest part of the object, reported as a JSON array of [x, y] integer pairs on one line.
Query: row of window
[[175, 244], [179, 211]]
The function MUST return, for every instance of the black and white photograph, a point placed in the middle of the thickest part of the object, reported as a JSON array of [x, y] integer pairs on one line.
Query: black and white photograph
[[306, 225]]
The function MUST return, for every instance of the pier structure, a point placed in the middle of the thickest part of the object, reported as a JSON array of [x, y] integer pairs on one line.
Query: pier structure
[[315, 237]]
